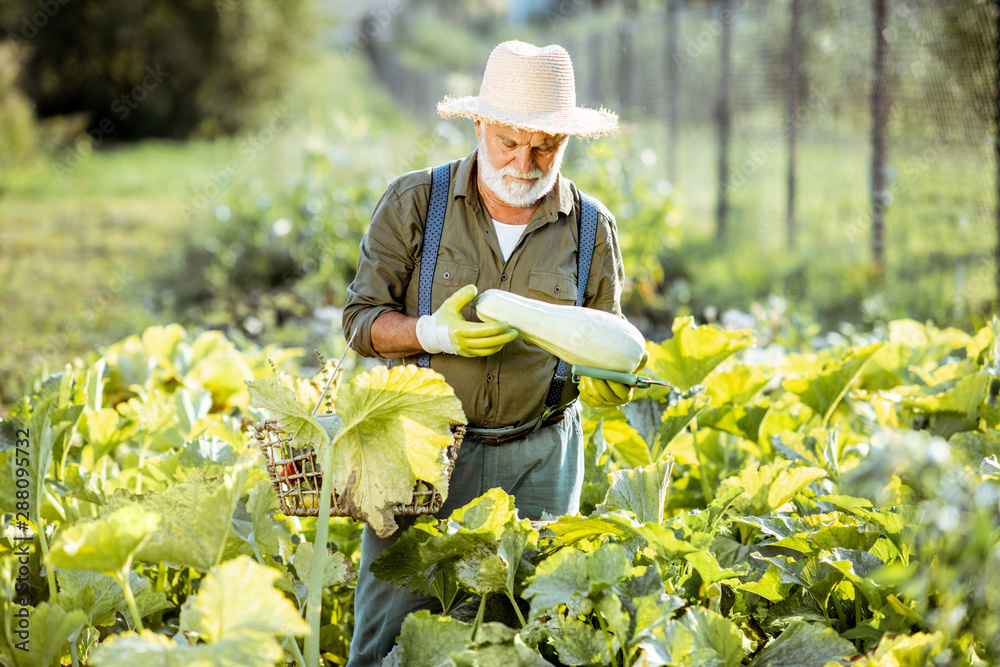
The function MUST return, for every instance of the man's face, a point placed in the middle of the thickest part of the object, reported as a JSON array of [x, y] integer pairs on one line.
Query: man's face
[[520, 167]]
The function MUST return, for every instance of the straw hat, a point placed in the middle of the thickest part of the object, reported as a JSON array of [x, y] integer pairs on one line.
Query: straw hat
[[531, 88]]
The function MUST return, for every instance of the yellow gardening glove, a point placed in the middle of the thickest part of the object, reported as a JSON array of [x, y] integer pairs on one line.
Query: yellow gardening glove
[[470, 339], [606, 394]]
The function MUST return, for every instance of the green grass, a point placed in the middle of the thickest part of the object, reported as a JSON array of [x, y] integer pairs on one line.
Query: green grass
[[939, 234], [79, 254]]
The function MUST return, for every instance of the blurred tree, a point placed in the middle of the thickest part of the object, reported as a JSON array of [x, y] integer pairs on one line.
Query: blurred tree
[[168, 68]]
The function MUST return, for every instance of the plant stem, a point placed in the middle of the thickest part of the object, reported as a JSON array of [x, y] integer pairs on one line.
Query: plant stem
[[72, 649], [607, 638], [50, 573], [129, 598], [517, 610], [840, 613], [294, 647], [702, 462], [314, 600], [479, 617]]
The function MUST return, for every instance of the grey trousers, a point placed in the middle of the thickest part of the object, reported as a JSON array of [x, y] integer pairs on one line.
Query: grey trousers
[[544, 473]]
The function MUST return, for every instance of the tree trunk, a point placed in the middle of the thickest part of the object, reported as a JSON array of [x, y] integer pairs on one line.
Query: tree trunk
[[791, 111], [723, 115], [880, 118]]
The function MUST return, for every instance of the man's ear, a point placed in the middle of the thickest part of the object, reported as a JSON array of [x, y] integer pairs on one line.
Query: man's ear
[[478, 131]]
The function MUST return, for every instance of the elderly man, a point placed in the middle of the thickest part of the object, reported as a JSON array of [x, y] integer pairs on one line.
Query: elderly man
[[504, 218]]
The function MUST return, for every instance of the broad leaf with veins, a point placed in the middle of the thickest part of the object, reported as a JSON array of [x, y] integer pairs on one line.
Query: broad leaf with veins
[[396, 428]]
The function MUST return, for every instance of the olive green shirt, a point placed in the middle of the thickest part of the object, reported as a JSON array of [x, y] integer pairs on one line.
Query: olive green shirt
[[507, 388]]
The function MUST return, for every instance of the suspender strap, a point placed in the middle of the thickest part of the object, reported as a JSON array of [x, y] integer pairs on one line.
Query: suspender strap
[[585, 253], [440, 178]]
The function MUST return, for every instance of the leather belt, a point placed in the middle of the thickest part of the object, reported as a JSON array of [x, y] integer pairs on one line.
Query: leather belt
[[498, 436]]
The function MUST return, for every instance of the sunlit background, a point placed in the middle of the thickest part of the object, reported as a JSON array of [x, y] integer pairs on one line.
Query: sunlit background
[[215, 162]]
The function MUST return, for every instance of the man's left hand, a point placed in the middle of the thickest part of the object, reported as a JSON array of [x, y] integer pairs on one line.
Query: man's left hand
[[604, 393]]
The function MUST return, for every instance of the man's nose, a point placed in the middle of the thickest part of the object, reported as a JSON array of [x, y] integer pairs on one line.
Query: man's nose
[[523, 161]]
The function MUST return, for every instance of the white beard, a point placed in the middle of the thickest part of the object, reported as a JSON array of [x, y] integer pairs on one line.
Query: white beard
[[517, 194]]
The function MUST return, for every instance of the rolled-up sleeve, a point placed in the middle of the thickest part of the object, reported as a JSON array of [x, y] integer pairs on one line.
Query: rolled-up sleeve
[[385, 265]]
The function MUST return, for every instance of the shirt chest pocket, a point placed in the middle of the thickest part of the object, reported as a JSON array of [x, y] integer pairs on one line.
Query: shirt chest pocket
[[552, 287], [449, 277]]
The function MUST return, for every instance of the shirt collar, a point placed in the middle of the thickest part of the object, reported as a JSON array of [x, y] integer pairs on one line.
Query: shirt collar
[[559, 200]]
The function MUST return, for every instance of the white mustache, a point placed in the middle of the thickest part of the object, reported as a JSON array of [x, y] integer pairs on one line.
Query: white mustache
[[511, 171]]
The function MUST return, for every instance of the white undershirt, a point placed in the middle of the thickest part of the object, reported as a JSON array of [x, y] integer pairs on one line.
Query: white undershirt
[[508, 235]]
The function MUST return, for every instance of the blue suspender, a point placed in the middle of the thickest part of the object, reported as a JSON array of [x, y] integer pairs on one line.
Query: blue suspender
[[588, 237], [440, 178]]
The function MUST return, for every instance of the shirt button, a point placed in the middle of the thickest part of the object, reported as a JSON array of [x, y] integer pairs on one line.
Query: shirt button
[[486, 424], [503, 276], [489, 378], [557, 289], [446, 275]]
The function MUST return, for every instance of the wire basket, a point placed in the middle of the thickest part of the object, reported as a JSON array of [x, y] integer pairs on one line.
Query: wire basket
[[297, 478]]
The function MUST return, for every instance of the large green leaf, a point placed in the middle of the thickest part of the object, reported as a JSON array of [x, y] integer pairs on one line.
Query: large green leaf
[[902, 651], [336, 567], [479, 545], [408, 563], [294, 418], [715, 641], [857, 567], [687, 358], [743, 420], [571, 529], [739, 384], [579, 643], [194, 518], [677, 417], [237, 600], [668, 643], [769, 487], [496, 645], [626, 442], [597, 460], [236, 614], [100, 596], [396, 428], [428, 640], [804, 645], [50, 628], [105, 544], [813, 533], [824, 390], [642, 491], [569, 573], [644, 415]]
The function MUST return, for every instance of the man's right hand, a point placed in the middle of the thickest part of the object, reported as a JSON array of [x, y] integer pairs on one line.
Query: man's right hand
[[447, 331]]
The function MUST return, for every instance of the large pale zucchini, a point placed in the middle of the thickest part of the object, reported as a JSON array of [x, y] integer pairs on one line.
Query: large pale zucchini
[[582, 336]]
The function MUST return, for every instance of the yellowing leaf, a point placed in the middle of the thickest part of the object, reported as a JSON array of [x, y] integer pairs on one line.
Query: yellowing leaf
[[105, 544], [294, 418], [823, 391], [769, 487], [396, 428], [238, 600], [687, 359], [237, 614]]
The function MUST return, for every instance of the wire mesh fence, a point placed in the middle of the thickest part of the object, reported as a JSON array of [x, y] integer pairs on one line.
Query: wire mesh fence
[[862, 129]]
